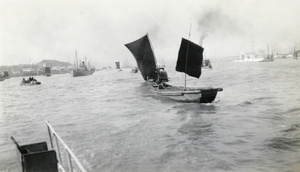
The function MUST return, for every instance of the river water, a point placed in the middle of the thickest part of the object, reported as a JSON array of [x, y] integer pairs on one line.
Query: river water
[[112, 122]]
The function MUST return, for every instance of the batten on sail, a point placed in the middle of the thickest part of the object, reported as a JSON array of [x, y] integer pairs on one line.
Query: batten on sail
[[190, 58], [142, 52]]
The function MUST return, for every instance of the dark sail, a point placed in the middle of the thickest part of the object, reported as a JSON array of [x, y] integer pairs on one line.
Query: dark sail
[[47, 70], [191, 66], [143, 54]]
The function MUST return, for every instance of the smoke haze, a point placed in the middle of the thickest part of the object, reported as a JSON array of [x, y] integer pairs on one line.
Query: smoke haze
[[34, 30]]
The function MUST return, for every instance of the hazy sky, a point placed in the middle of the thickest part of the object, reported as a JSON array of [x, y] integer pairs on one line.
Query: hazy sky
[[33, 30]]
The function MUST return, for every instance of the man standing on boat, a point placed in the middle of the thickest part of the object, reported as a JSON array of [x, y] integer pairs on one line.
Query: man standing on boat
[[162, 75]]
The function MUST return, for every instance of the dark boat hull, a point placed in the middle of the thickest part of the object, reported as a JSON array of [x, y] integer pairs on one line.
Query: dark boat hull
[[208, 96]]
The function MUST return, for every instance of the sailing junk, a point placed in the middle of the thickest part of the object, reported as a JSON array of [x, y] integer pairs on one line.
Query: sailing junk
[[47, 71], [117, 65], [189, 61]]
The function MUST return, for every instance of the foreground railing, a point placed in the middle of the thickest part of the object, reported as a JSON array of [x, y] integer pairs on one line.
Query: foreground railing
[[70, 154]]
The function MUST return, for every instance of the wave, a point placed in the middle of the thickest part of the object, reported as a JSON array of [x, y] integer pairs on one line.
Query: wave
[[294, 127], [282, 143], [296, 109], [245, 103], [264, 98]]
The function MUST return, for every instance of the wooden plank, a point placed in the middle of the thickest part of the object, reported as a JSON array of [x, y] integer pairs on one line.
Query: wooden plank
[[171, 93], [191, 92]]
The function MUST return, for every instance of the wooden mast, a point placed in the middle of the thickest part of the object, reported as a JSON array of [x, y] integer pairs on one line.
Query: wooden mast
[[187, 53]]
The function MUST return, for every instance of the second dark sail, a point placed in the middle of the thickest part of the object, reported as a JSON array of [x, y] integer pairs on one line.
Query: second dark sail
[[189, 58]]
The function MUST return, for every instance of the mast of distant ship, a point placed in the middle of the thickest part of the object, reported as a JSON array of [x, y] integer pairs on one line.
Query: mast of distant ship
[[76, 59], [268, 51]]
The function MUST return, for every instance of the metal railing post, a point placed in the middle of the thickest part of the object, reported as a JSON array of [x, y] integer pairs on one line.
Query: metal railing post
[[58, 150], [70, 161], [70, 154], [49, 132]]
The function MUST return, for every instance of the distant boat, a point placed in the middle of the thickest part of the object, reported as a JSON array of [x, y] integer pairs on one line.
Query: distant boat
[[135, 70], [6, 75], [118, 66], [30, 81], [82, 69], [249, 57], [269, 57], [206, 65], [189, 61]]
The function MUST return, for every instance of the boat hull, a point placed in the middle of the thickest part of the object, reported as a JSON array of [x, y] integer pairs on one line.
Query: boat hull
[[85, 72], [31, 83], [189, 95], [188, 98]]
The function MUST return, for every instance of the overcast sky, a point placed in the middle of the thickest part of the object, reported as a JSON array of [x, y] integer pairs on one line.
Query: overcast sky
[[34, 30]]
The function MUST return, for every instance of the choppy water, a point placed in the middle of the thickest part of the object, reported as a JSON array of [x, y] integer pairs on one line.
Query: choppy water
[[112, 123]]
